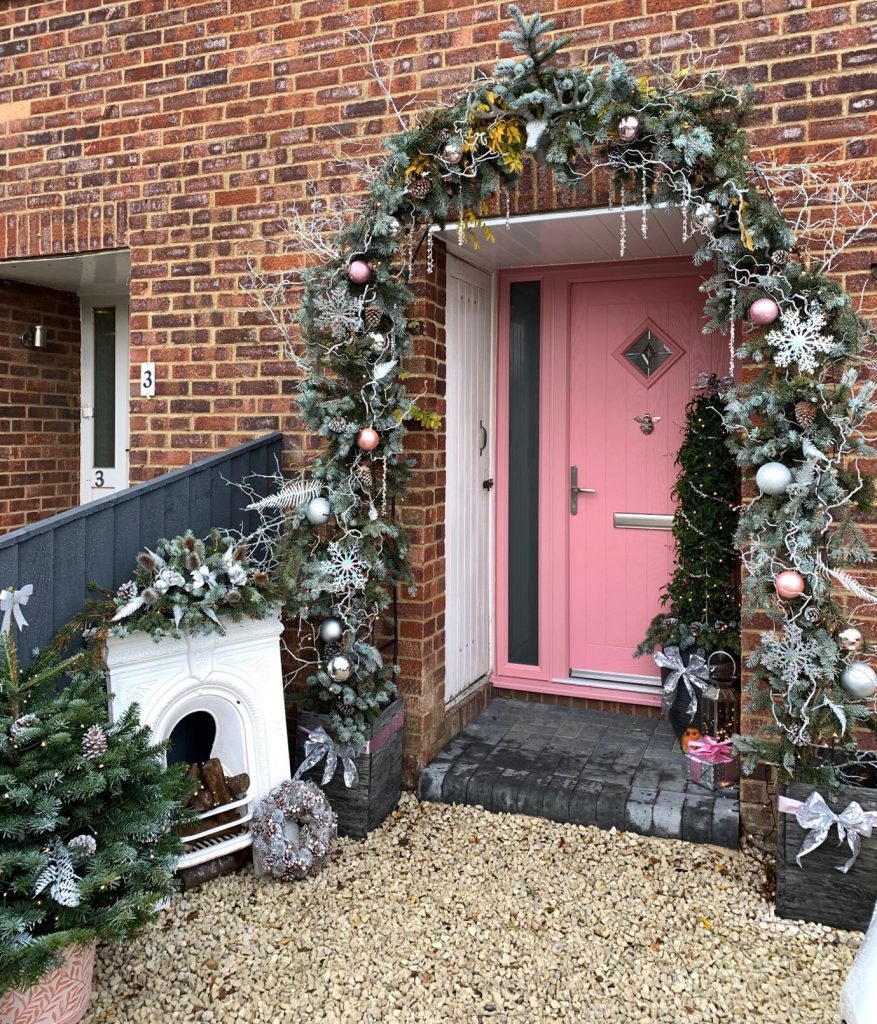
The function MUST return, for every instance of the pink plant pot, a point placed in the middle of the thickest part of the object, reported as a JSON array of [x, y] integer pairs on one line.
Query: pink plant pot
[[59, 997]]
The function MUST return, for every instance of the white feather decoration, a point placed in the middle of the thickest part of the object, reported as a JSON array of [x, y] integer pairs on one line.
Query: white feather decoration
[[293, 494], [852, 585], [129, 608]]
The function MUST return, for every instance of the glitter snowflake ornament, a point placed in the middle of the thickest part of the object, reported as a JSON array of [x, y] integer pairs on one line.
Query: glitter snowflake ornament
[[349, 571], [800, 339], [790, 655]]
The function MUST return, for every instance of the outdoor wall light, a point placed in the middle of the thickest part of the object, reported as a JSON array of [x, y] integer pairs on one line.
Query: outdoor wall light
[[874, 271], [34, 337]]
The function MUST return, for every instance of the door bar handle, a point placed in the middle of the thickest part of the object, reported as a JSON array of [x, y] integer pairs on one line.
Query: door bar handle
[[575, 490]]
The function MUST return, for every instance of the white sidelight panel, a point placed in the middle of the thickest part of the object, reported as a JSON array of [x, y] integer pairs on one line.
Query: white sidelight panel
[[468, 534]]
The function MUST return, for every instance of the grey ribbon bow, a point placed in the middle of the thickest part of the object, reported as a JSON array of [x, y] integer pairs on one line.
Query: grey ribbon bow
[[695, 676], [712, 382], [818, 819], [11, 603], [320, 745]]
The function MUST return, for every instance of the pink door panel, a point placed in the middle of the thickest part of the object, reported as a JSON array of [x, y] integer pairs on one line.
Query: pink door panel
[[636, 348]]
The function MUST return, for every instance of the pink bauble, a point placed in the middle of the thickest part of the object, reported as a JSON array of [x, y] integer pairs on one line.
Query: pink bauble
[[368, 439], [789, 584], [763, 311], [359, 271]]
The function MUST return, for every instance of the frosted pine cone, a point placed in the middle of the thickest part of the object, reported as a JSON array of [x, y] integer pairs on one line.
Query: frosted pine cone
[[331, 649], [443, 135], [345, 708], [83, 845], [338, 424], [420, 188], [20, 724], [779, 258], [372, 317], [94, 742], [805, 413], [127, 591]]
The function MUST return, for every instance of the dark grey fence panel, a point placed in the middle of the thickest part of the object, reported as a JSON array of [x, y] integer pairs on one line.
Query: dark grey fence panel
[[98, 542]]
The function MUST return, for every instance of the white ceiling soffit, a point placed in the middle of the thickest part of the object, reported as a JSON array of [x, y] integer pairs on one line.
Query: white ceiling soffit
[[94, 273], [574, 236]]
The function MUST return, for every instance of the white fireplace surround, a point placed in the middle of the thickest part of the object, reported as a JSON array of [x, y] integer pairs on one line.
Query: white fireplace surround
[[237, 679]]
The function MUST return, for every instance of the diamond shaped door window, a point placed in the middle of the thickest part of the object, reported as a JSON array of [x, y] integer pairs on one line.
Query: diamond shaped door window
[[647, 353]]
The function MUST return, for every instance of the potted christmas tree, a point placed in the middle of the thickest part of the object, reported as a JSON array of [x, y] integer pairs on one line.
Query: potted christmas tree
[[699, 633], [87, 814]]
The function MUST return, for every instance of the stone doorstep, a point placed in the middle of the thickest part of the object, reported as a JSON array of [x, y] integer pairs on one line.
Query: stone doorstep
[[582, 767]]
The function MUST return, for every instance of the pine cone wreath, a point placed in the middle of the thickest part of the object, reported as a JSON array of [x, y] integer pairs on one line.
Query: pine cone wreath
[[338, 424], [419, 188], [94, 742], [372, 317], [805, 413]]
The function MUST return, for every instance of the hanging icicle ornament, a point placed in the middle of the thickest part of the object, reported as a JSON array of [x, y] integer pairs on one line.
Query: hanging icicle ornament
[[368, 439], [732, 324], [508, 207], [628, 129], [644, 225], [685, 228], [430, 256], [359, 272], [622, 233]]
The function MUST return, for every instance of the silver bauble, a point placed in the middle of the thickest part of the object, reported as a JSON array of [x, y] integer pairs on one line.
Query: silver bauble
[[394, 227], [628, 128], [339, 668], [859, 680], [452, 152], [773, 478], [330, 630], [851, 639], [706, 217], [377, 342], [318, 511]]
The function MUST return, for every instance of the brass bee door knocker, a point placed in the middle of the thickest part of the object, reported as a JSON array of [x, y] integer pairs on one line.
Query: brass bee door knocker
[[647, 422]]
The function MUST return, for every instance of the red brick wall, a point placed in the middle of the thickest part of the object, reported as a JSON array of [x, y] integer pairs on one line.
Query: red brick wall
[[39, 406], [186, 130]]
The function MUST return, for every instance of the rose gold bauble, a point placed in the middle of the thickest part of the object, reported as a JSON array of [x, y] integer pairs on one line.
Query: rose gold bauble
[[359, 271], [789, 584], [368, 439], [763, 312]]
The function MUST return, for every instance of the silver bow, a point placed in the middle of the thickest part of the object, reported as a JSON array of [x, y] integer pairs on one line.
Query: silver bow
[[11, 603], [320, 745], [712, 382], [818, 819], [695, 675]]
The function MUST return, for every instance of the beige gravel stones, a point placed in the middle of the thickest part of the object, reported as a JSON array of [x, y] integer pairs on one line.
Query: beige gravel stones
[[453, 914]]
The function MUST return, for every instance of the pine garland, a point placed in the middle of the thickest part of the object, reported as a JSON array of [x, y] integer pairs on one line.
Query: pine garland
[[683, 146]]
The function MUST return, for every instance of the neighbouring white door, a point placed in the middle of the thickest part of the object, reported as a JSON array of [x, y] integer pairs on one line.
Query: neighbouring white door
[[468, 540], [105, 373]]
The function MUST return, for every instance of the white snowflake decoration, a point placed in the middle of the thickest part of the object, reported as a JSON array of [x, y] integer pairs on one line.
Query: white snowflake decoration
[[348, 570], [790, 655], [799, 340]]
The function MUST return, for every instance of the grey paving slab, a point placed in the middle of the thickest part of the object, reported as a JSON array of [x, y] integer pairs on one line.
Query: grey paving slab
[[582, 766]]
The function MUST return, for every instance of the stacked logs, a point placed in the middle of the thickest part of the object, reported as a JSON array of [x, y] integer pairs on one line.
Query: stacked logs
[[214, 789]]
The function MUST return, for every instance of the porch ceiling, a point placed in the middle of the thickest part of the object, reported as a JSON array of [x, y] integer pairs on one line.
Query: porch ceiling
[[84, 274], [573, 236]]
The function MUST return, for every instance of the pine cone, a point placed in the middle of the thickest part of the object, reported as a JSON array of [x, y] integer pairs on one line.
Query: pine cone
[[331, 649], [338, 424], [20, 724], [372, 317], [94, 742], [420, 188], [364, 476], [443, 135], [805, 412], [664, 139], [344, 708], [127, 591], [779, 258]]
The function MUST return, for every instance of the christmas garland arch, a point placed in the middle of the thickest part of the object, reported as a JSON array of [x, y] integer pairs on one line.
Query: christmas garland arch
[[797, 419]]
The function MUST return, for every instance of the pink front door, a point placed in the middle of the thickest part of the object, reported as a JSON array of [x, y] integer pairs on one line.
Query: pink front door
[[635, 350]]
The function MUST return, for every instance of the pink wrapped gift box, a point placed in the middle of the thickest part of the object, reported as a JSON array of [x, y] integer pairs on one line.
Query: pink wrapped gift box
[[712, 764]]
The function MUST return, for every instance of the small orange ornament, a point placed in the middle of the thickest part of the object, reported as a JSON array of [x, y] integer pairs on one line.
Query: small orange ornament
[[689, 736]]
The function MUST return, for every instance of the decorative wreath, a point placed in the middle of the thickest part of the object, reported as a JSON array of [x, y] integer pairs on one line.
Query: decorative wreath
[[308, 853]]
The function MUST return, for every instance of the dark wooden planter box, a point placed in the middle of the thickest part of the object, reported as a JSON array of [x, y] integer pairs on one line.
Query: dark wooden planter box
[[818, 891], [364, 806]]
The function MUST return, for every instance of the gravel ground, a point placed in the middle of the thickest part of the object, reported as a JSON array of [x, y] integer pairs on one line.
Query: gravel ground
[[456, 914]]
